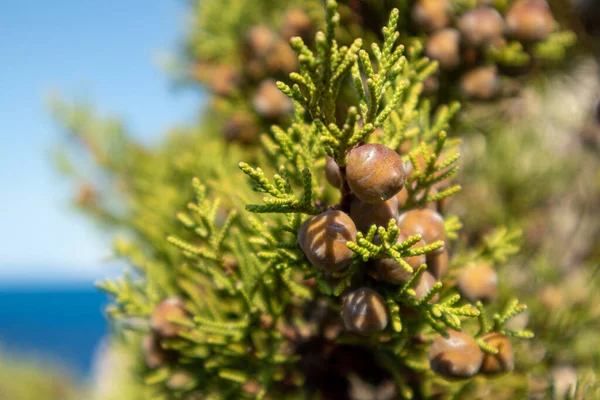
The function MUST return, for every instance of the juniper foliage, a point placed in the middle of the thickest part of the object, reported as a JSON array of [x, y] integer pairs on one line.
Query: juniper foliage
[[259, 312]]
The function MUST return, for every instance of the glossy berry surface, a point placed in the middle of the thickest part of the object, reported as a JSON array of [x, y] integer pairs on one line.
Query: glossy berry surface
[[374, 172], [455, 357], [502, 362], [425, 222], [171, 308], [365, 215], [364, 312], [323, 240]]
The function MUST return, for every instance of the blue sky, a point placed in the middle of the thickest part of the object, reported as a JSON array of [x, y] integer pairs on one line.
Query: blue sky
[[104, 52]]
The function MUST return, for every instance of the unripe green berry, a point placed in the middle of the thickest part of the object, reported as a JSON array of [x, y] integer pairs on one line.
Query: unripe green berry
[[366, 214], [269, 101], [480, 26], [425, 222], [504, 361], [332, 172], [444, 47], [478, 282], [374, 172], [481, 83], [430, 15], [529, 20], [167, 310], [364, 312], [457, 357], [323, 240], [391, 271]]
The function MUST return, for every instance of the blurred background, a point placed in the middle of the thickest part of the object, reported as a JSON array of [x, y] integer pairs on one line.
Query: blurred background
[[112, 53]]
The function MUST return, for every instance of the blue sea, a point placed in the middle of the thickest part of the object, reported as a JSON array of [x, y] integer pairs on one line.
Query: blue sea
[[63, 325]]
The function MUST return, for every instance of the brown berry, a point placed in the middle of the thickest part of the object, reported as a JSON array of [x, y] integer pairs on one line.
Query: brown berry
[[224, 80], [259, 41], [296, 22], [364, 312], [424, 285], [480, 26], [323, 240], [552, 297], [269, 101], [281, 58], [332, 172], [444, 47], [391, 271], [240, 128], [437, 264], [374, 172], [430, 15], [481, 83], [402, 197], [152, 352], [478, 282], [504, 361], [425, 222], [529, 20], [167, 310], [365, 215], [457, 357]]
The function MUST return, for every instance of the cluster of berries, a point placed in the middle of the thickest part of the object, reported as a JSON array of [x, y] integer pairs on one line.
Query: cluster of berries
[[376, 177], [265, 53], [464, 43]]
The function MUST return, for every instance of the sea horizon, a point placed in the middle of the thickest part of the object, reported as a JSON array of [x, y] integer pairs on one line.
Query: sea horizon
[[56, 323]]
